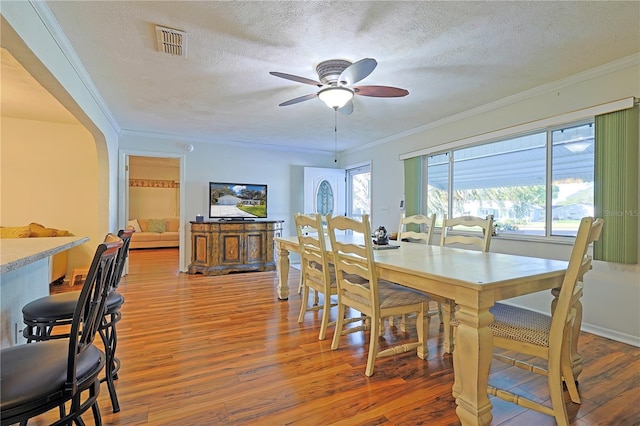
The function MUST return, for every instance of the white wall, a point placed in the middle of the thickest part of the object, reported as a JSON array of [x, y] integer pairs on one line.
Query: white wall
[[50, 176], [281, 170], [154, 202], [612, 292]]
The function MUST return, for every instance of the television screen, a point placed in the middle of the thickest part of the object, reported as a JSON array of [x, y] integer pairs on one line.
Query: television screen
[[237, 200]]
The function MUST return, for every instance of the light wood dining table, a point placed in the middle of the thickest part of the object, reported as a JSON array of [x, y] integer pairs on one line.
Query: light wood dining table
[[475, 281]]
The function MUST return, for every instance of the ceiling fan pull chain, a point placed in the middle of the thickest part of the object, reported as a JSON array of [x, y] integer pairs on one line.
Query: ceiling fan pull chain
[[335, 137]]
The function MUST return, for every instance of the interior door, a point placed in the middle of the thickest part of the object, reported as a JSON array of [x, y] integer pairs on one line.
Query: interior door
[[324, 191]]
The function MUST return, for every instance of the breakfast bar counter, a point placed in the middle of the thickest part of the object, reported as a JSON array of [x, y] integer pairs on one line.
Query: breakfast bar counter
[[24, 276]]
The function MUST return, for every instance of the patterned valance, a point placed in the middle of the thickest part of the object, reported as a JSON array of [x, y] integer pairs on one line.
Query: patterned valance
[[153, 183]]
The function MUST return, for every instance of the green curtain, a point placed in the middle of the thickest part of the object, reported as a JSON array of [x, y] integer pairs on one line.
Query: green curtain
[[412, 185], [412, 188], [616, 185]]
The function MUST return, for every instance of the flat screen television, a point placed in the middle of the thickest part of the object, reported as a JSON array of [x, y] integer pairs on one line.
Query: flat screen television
[[233, 201]]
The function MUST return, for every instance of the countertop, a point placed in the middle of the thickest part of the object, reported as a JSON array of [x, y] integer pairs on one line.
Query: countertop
[[18, 252]]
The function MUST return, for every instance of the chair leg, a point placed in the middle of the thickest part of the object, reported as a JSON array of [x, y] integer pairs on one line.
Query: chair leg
[[403, 323], [303, 303], [373, 346], [325, 317], [557, 397], [109, 337], [422, 327], [339, 324], [567, 370], [447, 315], [94, 407], [456, 389]]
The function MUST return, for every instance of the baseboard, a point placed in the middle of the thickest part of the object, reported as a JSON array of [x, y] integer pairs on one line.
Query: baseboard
[[612, 334]]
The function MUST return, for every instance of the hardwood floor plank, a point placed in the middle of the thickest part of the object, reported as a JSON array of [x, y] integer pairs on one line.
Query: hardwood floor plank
[[199, 350]]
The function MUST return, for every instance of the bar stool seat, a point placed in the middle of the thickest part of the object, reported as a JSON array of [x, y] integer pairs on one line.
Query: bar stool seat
[[45, 313]]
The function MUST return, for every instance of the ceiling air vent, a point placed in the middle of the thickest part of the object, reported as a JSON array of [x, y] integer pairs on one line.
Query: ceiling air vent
[[171, 41]]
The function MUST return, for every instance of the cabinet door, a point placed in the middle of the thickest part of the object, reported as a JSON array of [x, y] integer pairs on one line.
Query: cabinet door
[[255, 246], [232, 247], [200, 243]]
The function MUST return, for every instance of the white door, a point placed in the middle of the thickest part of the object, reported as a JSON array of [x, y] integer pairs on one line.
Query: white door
[[324, 191]]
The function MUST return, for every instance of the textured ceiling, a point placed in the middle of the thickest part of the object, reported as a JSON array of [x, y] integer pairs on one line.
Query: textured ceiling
[[451, 56]]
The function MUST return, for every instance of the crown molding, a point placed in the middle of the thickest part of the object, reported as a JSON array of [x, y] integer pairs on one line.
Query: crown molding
[[237, 144]]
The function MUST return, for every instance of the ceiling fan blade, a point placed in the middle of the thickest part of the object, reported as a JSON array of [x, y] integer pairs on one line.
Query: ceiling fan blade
[[380, 91], [300, 99], [347, 108], [296, 78], [357, 71]]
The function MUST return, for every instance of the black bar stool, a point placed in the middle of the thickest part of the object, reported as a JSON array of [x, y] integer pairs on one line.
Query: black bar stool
[[36, 378], [45, 317]]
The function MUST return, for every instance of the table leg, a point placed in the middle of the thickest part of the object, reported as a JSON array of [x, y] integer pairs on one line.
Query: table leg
[[471, 362], [282, 266]]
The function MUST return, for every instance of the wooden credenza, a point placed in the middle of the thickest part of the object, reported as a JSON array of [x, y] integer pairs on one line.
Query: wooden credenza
[[221, 247]]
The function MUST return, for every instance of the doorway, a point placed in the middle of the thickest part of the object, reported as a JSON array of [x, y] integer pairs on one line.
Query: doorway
[[129, 159]]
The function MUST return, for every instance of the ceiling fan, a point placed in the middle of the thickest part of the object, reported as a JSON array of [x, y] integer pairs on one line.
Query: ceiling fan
[[337, 77]]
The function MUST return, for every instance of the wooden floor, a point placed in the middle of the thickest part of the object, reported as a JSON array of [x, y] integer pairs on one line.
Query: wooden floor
[[199, 350]]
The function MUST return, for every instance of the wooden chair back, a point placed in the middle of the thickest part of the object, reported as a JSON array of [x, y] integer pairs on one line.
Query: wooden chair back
[[354, 265], [314, 264], [468, 222], [428, 222], [571, 289]]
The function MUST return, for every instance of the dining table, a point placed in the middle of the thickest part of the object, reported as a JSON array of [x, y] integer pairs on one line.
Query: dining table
[[474, 281]]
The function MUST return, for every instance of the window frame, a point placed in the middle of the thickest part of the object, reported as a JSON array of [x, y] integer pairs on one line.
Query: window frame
[[548, 130], [350, 172]]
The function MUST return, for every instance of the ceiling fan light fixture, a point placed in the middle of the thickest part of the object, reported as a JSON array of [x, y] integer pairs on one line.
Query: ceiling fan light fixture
[[335, 97]]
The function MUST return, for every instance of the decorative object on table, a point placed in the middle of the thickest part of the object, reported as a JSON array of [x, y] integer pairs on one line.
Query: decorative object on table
[[199, 218], [380, 236]]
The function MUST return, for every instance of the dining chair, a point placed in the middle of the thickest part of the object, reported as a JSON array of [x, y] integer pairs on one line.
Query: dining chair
[[316, 273], [468, 223], [306, 231], [374, 298], [483, 242], [46, 317], [422, 229], [548, 337], [421, 232], [38, 377]]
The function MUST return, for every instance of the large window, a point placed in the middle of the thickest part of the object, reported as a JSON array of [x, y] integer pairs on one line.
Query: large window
[[540, 183]]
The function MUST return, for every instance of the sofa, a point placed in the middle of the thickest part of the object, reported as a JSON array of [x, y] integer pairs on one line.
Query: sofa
[[58, 268], [155, 233]]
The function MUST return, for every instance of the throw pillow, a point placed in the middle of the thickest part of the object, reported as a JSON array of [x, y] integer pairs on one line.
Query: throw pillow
[[156, 225], [135, 224], [40, 231], [15, 232]]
